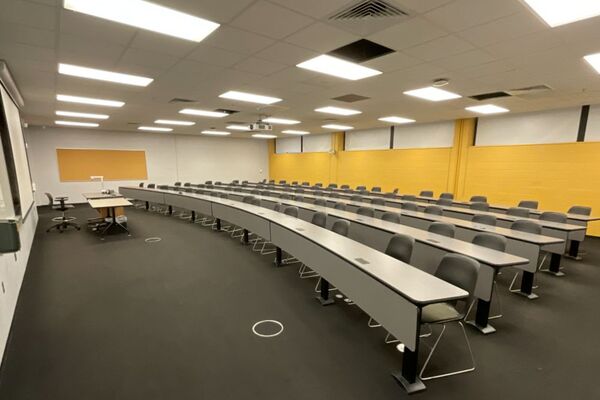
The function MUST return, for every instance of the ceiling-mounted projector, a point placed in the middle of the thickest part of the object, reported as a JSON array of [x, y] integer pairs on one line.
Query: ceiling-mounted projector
[[260, 126]]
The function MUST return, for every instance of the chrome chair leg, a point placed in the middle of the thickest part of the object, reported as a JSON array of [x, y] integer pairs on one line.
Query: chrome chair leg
[[374, 324], [305, 272], [462, 371], [318, 289]]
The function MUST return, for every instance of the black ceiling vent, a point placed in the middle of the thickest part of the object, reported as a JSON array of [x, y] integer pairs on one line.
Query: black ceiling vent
[[360, 51], [487, 96], [224, 110], [368, 9], [350, 98], [180, 100]]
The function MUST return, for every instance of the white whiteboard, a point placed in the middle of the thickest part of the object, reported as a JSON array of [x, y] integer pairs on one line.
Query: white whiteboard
[[368, 139], [418, 136], [288, 145], [556, 126], [317, 143], [13, 120]]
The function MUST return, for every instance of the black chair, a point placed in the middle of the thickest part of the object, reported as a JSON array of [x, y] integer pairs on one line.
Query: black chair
[[444, 202], [282, 182], [484, 219], [447, 196], [527, 226], [255, 191], [482, 199], [553, 217], [356, 198], [580, 210], [408, 197], [151, 186], [298, 198], [376, 189], [332, 186], [391, 217], [285, 196], [320, 202], [479, 206], [63, 222], [361, 187], [491, 241], [532, 204], [366, 211], [409, 206], [345, 186], [340, 206], [518, 212], [187, 184], [319, 185], [177, 183], [390, 195], [378, 201], [442, 228], [426, 193], [292, 211], [305, 183], [434, 210], [141, 184]]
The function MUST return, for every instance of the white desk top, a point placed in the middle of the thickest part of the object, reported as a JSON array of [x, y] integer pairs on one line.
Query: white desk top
[[109, 203]]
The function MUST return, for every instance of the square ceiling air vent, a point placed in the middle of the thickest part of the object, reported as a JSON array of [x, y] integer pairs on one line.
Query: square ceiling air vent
[[225, 110], [360, 51], [350, 98], [488, 96]]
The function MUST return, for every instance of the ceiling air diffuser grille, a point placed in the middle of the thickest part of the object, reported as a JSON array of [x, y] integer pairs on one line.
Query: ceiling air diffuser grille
[[368, 8]]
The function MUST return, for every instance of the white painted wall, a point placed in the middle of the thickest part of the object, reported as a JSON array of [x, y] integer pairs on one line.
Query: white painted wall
[[368, 139], [418, 136], [592, 133], [169, 158], [288, 145], [317, 143], [555, 126]]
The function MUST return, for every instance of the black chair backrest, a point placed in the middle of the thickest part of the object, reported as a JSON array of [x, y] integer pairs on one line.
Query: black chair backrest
[[376, 189], [518, 212], [484, 219], [298, 198], [391, 217], [141, 184], [580, 210], [361, 187], [435, 210], [218, 183], [459, 270], [285, 196], [357, 198], [319, 219], [447, 196], [443, 202], [224, 195], [479, 199], [345, 186], [255, 202], [271, 180], [177, 183], [151, 186], [491, 241], [409, 197], [235, 181], [340, 206], [479, 206], [378, 201], [318, 184], [341, 227], [299, 190], [305, 183], [395, 191], [366, 211], [332, 185], [277, 207], [187, 184], [533, 204], [527, 226], [390, 195], [442, 228], [554, 217], [255, 191], [320, 202], [426, 193], [400, 247], [247, 199], [294, 182], [291, 211], [409, 206], [208, 182]]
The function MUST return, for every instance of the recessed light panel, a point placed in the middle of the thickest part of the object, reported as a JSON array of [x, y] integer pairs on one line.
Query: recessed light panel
[[238, 127], [81, 115], [75, 123], [89, 100], [295, 132], [562, 12], [338, 127], [397, 120], [432, 94], [146, 15], [101, 75], [281, 121], [216, 133], [487, 109], [154, 129], [594, 61], [173, 122], [337, 67], [203, 113], [337, 111], [249, 97], [264, 136]]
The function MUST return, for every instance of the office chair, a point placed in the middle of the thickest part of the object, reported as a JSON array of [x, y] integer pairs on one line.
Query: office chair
[[482, 199], [366, 211], [285, 196], [444, 202], [208, 182], [255, 191], [359, 188], [339, 206], [479, 206], [391, 217], [298, 198], [389, 195], [484, 219], [434, 210], [299, 190], [332, 186], [151, 186], [356, 198], [447, 196], [344, 186], [320, 202], [409, 206], [177, 183], [141, 184], [305, 183], [319, 185], [408, 197], [378, 201], [442, 228], [319, 219], [292, 211], [62, 222], [426, 193], [187, 184], [460, 271], [518, 212], [376, 189], [532, 204]]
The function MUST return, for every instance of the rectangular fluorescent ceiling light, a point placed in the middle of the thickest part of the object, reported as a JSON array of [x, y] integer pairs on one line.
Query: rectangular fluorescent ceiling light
[[294, 132], [81, 115], [89, 100], [337, 67], [432, 94], [203, 113], [397, 120], [172, 122], [337, 111], [562, 12], [337, 127], [264, 136], [238, 127], [216, 133], [74, 123], [101, 75], [281, 121], [154, 129], [146, 15], [594, 61], [487, 109], [249, 97]]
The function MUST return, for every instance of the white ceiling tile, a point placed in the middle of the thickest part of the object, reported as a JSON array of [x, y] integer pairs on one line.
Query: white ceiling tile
[[420, 6], [86, 26], [494, 67], [259, 66], [321, 37], [467, 59], [439, 48], [524, 45], [24, 52], [271, 20], [87, 52], [18, 33], [505, 28], [237, 40], [410, 33], [148, 63], [31, 14], [164, 44], [214, 10], [314, 8], [215, 56], [286, 53], [392, 62], [462, 14], [188, 73]]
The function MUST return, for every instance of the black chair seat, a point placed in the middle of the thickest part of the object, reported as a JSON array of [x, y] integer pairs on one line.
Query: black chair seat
[[439, 312]]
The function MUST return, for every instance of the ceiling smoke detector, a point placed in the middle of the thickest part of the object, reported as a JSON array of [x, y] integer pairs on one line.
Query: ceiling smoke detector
[[440, 82]]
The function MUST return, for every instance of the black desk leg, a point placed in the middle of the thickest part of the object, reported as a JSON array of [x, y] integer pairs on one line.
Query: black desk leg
[[527, 285], [482, 315], [574, 249], [218, 224], [193, 219], [323, 296], [278, 256], [245, 237], [170, 210], [555, 265], [147, 206], [408, 377]]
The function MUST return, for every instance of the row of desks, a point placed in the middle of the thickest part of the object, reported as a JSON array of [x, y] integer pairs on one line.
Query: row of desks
[[390, 291]]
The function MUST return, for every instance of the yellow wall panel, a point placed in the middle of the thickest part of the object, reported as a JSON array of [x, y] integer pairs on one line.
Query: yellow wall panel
[[80, 164]]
